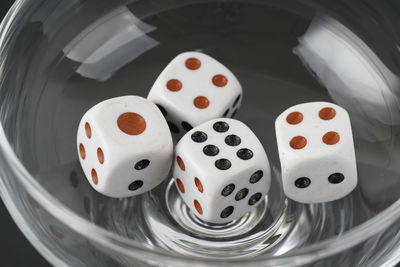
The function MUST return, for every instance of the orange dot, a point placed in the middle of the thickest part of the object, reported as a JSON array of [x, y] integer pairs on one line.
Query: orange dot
[[94, 176], [220, 80], [201, 102], [174, 85], [100, 155], [88, 130], [33, 202], [294, 118], [56, 232], [298, 142], [180, 185], [131, 123], [327, 113], [198, 185], [82, 151], [331, 138], [180, 163], [198, 207], [193, 63]]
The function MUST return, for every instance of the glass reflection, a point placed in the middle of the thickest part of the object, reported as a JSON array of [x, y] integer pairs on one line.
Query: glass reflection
[[109, 43], [357, 79], [353, 75], [49, 20], [70, 186]]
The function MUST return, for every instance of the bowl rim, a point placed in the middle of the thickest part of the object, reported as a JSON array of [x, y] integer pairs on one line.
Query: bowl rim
[[130, 248]]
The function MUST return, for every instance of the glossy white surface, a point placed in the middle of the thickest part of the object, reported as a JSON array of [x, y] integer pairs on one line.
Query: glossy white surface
[[122, 151], [214, 180], [180, 104], [316, 160]]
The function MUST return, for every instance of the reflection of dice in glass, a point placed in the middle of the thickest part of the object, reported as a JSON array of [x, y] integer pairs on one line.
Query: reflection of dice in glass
[[221, 170], [67, 184], [193, 89], [316, 151], [125, 147]]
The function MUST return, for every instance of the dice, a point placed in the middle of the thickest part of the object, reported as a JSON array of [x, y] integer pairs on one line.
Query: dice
[[124, 145], [221, 170], [193, 89], [316, 152]]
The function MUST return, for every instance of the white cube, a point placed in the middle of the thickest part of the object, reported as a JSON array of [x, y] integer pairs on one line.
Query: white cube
[[316, 151], [124, 145], [221, 170], [193, 89]]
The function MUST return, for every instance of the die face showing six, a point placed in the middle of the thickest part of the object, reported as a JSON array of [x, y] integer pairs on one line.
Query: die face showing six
[[193, 89], [124, 146], [316, 151], [221, 170]]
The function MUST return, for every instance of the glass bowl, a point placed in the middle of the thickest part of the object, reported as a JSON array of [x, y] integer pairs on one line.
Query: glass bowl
[[58, 58]]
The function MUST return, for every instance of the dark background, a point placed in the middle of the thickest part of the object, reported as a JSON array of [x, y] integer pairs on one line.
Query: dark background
[[15, 250]]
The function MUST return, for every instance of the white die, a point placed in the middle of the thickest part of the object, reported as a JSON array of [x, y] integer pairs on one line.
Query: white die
[[316, 151], [221, 170], [124, 146], [193, 89]]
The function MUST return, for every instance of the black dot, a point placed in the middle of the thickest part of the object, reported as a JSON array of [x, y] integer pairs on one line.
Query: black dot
[[302, 182], [221, 126], [227, 212], [199, 137], [173, 127], [254, 198], [241, 194], [186, 126], [225, 113], [245, 154], [236, 100], [233, 140], [162, 109], [255, 177], [142, 164], [234, 113], [210, 150], [336, 178], [223, 164], [135, 185], [228, 190]]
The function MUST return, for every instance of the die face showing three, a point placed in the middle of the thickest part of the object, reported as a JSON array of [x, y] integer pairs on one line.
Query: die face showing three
[[124, 146], [193, 89], [316, 151], [221, 170]]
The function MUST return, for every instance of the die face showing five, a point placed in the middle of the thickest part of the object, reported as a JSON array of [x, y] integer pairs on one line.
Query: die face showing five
[[124, 146], [316, 151], [221, 170], [193, 89]]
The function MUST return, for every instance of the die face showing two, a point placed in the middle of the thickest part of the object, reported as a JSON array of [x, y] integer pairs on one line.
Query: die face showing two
[[316, 151], [125, 147], [221, 170], [193, 89]]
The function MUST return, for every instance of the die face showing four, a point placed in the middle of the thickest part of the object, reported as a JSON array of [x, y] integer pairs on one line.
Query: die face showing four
[[193, 89], [316, 151], [221, 170], [124, 145]]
